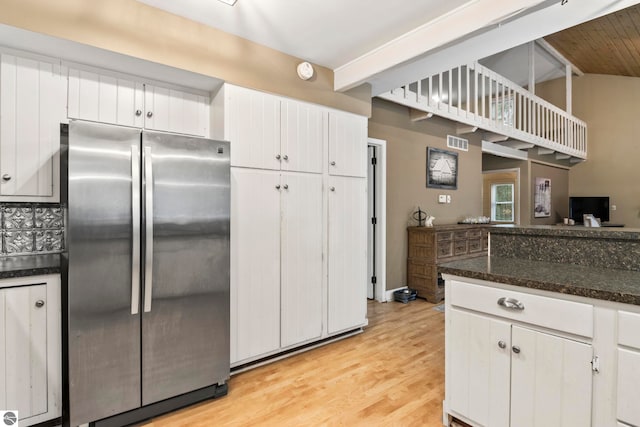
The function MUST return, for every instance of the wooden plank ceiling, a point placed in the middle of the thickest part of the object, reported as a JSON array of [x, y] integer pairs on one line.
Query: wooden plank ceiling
[[607, 45]]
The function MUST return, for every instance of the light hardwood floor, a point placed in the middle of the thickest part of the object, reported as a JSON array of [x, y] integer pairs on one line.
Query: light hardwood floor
[[390, 375]]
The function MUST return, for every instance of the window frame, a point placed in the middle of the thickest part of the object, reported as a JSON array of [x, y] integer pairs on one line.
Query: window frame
[[494, 203]]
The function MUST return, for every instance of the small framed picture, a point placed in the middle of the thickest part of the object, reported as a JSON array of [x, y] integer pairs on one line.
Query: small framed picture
[[442, 169]]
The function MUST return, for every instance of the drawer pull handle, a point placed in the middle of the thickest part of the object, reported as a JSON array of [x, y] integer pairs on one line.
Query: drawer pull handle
[[511, 303], [515, 349], [502, 344]]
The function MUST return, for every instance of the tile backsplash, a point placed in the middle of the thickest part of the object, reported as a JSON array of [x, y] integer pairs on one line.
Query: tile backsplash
[[29, 228]]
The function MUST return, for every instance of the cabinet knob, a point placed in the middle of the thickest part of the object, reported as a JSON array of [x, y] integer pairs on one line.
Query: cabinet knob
[[286, 186], [39, 303], [333, 163], [515, 349], [277, 186], [149, 114], [285, 157], [332, 188], [502, 344], [6, 177], [277, 156], [138, 113]]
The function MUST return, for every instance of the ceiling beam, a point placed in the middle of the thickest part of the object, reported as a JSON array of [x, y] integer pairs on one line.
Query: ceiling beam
[[499, 150], [543, 20], [545, 151], [518, 145], [558, 56], [417, 115], [494, 137], [462, 128], [471, 16]]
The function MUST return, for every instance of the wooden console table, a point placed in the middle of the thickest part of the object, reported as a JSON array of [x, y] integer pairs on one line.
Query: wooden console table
[[441, 243]]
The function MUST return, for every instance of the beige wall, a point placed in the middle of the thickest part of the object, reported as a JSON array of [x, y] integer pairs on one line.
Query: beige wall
[[407, 144], [138, 30], [609, 105]]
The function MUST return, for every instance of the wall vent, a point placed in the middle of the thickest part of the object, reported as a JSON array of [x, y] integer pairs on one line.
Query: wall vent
[[457, 143]]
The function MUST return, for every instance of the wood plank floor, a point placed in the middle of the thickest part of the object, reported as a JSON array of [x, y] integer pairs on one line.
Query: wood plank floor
[[390, 375]]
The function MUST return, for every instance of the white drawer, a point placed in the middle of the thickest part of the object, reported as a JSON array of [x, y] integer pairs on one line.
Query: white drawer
[[561, 315], [628, 327]]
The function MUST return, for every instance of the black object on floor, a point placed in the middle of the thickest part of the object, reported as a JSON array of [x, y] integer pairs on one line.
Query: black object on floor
[[405, 295]]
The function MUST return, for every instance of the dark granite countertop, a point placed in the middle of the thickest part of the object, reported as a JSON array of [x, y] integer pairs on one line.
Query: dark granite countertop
[[29, 265], [569, 231], [599, 283]]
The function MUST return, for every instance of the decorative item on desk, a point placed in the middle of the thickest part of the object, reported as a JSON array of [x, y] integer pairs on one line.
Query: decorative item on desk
[[419, 216], [475, 220]]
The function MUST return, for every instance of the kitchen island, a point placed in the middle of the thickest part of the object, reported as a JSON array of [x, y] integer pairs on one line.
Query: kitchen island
[[543, 331]]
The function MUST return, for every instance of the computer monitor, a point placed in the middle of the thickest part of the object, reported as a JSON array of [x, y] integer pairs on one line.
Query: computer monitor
[[597, 206]]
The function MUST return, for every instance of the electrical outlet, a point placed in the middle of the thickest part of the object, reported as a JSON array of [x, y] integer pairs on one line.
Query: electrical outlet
[[614, 207], [442, 198]]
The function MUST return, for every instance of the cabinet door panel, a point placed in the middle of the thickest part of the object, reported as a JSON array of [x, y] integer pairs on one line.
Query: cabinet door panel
[[106, 99], [628, 380], [253, 127], [302, 136], [255, 263], [301, 258], [31, 109], [25, 350], [480, 368], [172, 110], [550, 380], [347, 257], [347, 144]]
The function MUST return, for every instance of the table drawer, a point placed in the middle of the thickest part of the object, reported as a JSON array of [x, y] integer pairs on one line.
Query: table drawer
[[474, 234], [444, 235], [475, 245], [459, 235], [445, 249], [459, 247], [568, 316]]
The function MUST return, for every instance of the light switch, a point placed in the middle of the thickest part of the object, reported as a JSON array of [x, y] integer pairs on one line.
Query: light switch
[[448, 198], [442, 198]]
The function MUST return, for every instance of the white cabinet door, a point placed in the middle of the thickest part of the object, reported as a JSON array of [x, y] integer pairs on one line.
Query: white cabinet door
[[32, 102], [255, 263], [105, 98], [301, 250], [550, 380], [347, 253], [252, 124], [347, 144], [628, 379], [24, 349], [302, 137], [480, 353], [175, 111]]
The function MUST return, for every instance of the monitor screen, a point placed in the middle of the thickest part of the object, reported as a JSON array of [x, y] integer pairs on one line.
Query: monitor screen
[[597, 206]]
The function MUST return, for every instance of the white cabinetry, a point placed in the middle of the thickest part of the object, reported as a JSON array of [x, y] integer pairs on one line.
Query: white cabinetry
[[276, 261], [32, 106], [100, 96], [30, 349], [347, 153], [269, 132], [347, 224], [298, 257], [628, 408], [502, 369]]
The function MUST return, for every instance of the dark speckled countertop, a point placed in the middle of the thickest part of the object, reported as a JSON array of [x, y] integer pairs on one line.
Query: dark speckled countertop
[[29, 265], [592, 282], [574, 231]]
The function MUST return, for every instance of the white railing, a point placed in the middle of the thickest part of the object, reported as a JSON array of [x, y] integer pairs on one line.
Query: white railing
[[474, 95]]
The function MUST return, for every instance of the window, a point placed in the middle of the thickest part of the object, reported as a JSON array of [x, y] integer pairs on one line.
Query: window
[[502, 202]]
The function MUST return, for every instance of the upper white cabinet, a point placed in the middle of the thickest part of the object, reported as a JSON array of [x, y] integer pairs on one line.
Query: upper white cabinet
[[32, 106], [30, 348], [347, 144], [269, 132], [113, 98]]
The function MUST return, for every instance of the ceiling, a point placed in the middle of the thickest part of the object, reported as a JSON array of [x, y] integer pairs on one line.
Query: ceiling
[[607, 45], [389, 44]]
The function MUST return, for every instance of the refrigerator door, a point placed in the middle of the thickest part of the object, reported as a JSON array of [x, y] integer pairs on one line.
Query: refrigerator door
[[185, 324], [103, 334]]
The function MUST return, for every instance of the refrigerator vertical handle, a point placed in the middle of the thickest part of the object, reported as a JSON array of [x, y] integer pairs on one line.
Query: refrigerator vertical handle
[[148, 207], [135, 230]]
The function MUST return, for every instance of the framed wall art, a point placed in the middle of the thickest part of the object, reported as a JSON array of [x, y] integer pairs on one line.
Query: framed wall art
[[442, 169], [542, 198]]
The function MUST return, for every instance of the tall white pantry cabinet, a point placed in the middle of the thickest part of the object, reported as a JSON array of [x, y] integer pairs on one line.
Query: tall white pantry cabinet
[[298, 220]]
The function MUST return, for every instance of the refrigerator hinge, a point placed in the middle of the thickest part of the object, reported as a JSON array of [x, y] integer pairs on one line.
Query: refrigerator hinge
[[595, 364], [374, 220], [374, 160], [374, 279]]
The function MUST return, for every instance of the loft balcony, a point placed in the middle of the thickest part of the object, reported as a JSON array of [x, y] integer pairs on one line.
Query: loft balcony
[[513, 119]]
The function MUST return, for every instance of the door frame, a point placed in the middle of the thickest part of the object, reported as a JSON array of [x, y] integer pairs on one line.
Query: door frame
[[381, 215]]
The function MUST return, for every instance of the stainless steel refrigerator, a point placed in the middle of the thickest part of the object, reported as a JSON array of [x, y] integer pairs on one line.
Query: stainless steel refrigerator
[[146, 273]]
